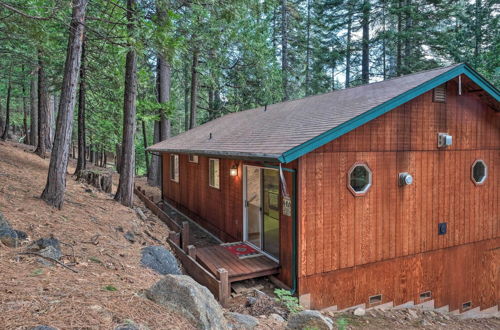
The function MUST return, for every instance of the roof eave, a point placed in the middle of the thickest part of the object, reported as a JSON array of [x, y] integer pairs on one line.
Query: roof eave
[[222, 154], [383, 108]]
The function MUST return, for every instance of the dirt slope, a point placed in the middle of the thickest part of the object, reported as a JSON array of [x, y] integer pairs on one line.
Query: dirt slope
[[33, 294]]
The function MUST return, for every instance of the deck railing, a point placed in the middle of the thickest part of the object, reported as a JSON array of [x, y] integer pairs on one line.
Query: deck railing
[[178, 239]]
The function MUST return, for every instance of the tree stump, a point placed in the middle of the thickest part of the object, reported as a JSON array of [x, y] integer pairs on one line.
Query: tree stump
[[101, 180]]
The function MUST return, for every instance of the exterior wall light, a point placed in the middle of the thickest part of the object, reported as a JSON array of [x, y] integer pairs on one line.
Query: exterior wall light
[[405, 179], [234, 170]]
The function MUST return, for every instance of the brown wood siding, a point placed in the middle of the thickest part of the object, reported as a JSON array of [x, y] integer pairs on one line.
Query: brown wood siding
[[218, 210], [221, 210], [454, 275], [338, 230]]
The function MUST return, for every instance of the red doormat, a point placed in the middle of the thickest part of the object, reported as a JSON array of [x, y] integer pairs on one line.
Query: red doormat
[[241, 250]]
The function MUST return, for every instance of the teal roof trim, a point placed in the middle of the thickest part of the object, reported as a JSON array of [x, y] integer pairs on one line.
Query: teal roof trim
[[377, 111]]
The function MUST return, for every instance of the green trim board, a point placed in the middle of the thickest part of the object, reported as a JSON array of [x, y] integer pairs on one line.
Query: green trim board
[[377, 111]]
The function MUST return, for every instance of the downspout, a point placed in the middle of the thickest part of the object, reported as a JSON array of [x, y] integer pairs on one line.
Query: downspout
[[293, 289]]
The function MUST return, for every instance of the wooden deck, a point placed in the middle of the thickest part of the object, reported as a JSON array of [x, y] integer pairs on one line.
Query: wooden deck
[[216, 257]]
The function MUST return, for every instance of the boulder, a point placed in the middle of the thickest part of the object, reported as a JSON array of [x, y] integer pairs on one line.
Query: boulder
[[360, 311], [43, 327], [21, 235], [308, 319], [241, 321], [277, 318], [8, 237], [51, 252], [42, 243], [161, 260], [183, 294], [4, 224]]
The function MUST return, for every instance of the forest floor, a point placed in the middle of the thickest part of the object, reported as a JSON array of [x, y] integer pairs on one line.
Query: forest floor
[[107, 290]]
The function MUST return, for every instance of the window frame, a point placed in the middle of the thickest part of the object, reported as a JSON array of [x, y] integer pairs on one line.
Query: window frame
[[174, 162], [370, 179], [479, 183], [193, 160], [216, 183]]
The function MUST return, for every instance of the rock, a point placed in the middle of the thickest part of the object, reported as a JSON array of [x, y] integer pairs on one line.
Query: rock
[[160, 260], [360, 311], [21, 235], [42, 243], [4, 224], [8, 237], [413, 313], [251, 301], [127, 326], [51, 252], [185, 295], [241, 321], [308, 319], [43, 327], [129, 236], [277, 318]]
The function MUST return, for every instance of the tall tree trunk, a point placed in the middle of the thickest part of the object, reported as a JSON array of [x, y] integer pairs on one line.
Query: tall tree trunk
[[408, 41], [308, 49], [53, 193], [33, 111], [125, 191], [42, 108], [194, 89], [284, 49], [477, 31], [365, 59], [25, 113], [5, 134], [384, 41], [348, 48], [81, 162], [186, 97], [399, 40], [161, 128], [145, 141]]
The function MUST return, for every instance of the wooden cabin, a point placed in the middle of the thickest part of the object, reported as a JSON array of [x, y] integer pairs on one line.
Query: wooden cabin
[[382, 193]]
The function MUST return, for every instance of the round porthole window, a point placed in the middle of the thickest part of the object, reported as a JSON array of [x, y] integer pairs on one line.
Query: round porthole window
[[479, 171], [360, 179]]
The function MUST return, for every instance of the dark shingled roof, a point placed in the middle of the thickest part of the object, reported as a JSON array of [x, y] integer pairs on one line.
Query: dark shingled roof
[[268, 134]]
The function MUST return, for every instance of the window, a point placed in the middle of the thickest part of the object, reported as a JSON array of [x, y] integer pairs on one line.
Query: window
[[360, 179], [439, 94], [193, 159], [174, 168], [479, 172], [213, 173]]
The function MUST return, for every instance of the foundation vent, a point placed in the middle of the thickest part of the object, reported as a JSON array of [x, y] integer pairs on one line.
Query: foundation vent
[[377, 299], [467, 305], [425, 295]]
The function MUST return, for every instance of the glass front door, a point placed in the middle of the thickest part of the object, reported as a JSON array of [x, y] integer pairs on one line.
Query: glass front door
[[262, 209]]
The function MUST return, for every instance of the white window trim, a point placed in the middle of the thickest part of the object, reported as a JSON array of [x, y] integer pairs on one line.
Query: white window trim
[[478, 183], [216, 183], [193, 161], [172, 174], [370, 179]]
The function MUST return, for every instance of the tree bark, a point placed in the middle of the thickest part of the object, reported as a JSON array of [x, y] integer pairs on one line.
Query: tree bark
[[284, 49], [5, 134], [33, 111], [53, 193], [161, 128], [125, 190], [42, 108], [186, 97], [25, 114], [194, 90], [145, 141], [408, 42], [477, 31], [81, 163], [365, 56], [308, 49], [348, 46], [399, 46]]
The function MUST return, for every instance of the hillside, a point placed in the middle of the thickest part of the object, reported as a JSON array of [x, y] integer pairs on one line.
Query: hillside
[[89, 230]]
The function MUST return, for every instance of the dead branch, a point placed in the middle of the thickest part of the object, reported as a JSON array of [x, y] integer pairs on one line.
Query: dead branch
[[48, 258]]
